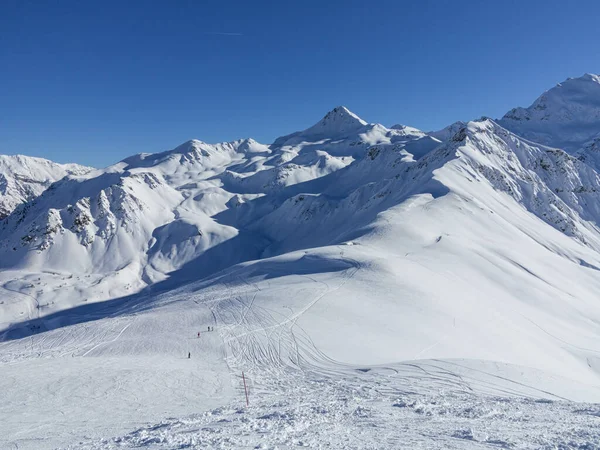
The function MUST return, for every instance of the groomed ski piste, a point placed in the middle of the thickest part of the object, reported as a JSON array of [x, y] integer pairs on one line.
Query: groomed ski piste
[[388, 289], [349, 346]]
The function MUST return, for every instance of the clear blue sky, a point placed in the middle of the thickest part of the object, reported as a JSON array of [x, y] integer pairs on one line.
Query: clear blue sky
[[95, 81]]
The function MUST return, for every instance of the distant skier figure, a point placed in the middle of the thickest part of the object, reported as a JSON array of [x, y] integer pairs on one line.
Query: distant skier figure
[[208, 328], [189, 355], [198, 334]]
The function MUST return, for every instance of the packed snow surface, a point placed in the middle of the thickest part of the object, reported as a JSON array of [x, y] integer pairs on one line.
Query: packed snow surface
[[377, 288]]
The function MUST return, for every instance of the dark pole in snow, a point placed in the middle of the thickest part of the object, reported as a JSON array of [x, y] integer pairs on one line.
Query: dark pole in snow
[[245, 389]]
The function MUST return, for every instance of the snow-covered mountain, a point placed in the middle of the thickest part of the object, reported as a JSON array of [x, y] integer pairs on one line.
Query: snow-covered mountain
[[142, 218], [447, 132], [132, 224], [345, 247], [22, 178], [565, 116], [201, 208]]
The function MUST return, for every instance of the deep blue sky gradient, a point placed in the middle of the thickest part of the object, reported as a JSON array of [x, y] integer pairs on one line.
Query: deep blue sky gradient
[[94, 82]]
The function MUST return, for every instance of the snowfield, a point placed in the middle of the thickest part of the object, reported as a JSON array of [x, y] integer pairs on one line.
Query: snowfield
[[111, 375], [377, 287]]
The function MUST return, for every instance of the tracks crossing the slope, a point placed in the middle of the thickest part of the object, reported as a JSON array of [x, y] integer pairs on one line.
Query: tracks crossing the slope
[[265, 342]]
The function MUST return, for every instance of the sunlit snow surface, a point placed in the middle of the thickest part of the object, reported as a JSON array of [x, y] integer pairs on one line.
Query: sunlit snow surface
[[315, 377], [378, 288]]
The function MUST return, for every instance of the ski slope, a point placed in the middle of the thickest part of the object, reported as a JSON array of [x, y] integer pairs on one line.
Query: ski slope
[[378, 287], [341, 329]]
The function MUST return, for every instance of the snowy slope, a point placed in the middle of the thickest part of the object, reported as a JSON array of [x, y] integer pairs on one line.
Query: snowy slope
[[447, 132], [357, 275], [565, 116], [339, 122], [181, 212], [119, 229], [22, 178]]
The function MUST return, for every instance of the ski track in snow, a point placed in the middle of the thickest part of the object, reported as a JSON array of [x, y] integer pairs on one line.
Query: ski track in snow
[[300, 398], [421, 405], [461, 313]]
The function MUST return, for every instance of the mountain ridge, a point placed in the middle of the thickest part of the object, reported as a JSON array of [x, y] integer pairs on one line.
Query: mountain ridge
[[455, 271], [564, 116], [22, 178], [152, 214]]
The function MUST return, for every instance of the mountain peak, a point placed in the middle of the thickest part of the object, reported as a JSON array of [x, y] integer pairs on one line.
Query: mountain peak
[[337, 123], [591, 77], [448, 132], [22, 178], [339, 120], [406, 130], [342, 113], [566, 116]]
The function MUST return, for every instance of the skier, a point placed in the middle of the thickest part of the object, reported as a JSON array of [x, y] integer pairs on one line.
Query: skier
[[208, 328], [189, 355], [198, 334]]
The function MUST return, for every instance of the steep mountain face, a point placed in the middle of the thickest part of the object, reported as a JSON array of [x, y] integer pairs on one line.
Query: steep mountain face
[[565, 116], [447, 132], [555, 186], [339, 122], [22, 178], [559, 189]]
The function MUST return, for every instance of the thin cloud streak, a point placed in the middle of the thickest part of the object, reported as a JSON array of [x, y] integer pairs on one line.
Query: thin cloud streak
[[219, 33]]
